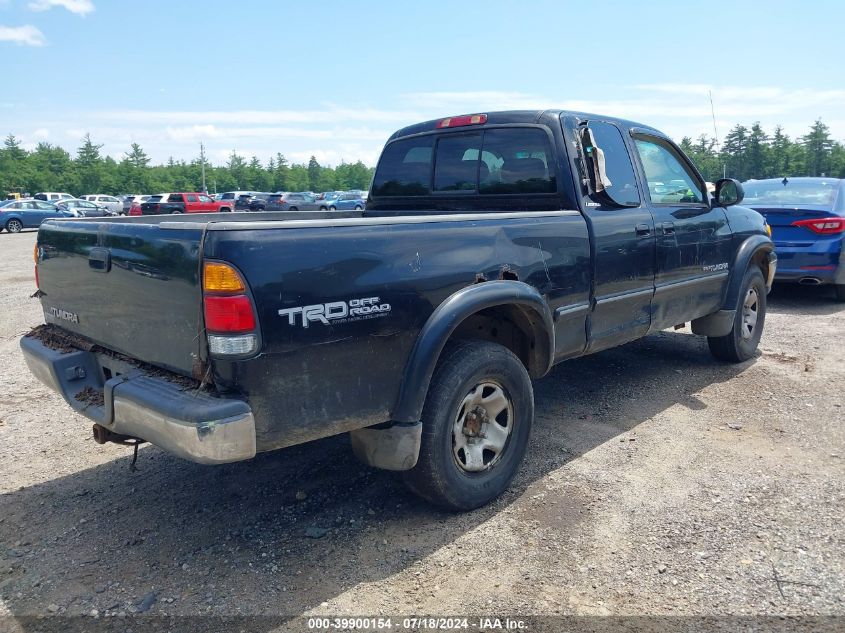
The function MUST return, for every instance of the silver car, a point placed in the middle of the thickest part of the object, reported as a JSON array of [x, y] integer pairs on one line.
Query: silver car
[[85, 209], [110, 202]]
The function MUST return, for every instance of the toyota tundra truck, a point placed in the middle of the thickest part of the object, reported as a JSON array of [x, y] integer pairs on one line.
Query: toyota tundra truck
[[492, 247]]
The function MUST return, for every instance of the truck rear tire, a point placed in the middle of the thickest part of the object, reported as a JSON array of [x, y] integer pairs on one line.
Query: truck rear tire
[[476, 423], [741, 342], [839, 292]]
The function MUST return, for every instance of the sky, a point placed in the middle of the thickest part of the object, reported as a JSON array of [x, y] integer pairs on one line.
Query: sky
[[334, 79]]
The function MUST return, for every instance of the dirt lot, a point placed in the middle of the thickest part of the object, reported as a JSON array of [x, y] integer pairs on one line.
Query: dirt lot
[[658, 482]]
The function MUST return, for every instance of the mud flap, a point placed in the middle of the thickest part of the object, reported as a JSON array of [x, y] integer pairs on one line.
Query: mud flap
[[390, 447], [717, 324]]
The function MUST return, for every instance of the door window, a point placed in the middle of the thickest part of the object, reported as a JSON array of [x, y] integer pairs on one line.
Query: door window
[[617, 162], [192, 198], [205, 199], [670, 180]]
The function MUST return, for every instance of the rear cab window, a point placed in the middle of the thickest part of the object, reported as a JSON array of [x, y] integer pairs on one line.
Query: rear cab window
[[495, 161]]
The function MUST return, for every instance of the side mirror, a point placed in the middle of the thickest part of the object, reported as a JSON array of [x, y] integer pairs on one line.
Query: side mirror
[[728, 192]]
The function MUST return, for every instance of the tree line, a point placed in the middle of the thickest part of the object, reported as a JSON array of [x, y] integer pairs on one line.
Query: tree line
[[51, 168], [752, 153], [746, 152]]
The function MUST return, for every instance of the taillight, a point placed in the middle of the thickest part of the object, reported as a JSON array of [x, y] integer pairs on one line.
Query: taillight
[[229, 314], [460, 121], [135, 210], [230, 321], [823, 226]]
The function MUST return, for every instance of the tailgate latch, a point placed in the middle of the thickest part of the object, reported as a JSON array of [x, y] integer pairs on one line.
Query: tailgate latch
[[99, 260]]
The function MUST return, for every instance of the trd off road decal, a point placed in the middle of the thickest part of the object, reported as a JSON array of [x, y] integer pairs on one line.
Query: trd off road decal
[[714, 268], [337, 312]]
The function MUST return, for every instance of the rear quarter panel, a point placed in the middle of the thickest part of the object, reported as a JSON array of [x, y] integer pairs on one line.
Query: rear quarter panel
[[326, 379]]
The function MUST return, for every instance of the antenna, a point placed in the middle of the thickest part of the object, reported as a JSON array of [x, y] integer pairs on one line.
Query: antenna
[[202, 158], [716, 133]]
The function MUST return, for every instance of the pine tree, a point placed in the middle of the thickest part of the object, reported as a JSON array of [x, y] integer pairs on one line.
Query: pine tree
[[756, 152], [817, 149], [89, 166]]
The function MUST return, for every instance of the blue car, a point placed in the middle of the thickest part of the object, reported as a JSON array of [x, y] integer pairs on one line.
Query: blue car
[[16, 215], [347, 201], [807, 216]]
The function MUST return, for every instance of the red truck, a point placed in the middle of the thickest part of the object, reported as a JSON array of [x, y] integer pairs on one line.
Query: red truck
[[192, 202]]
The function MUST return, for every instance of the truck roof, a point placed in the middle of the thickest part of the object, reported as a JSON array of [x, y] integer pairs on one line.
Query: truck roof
[[524, 116]]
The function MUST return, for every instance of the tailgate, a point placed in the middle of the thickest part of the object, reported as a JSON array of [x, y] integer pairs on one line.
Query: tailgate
[[130, 287]]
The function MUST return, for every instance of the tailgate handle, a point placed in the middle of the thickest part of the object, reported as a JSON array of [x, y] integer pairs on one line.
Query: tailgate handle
[[99, 260]]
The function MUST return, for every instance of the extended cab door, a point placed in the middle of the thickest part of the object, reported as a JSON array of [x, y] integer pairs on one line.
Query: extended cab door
[[693, 238], [192, 203], [206, 204], [623, 234]]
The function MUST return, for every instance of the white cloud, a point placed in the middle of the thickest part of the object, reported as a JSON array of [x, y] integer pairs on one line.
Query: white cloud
[[41, 133], [335, 132], [329, 115], [23, 35], [79, 7]]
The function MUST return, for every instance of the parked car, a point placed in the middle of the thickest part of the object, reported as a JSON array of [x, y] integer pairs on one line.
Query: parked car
[[328, 194], [191, 202], [130, 200], [258, 202], [807, 216], [85, 208], [328, 199], [52, 196], [288, 202], [245, 201], [471, 273], [231, 196], [110, 202], [16, 215], [346, 202]]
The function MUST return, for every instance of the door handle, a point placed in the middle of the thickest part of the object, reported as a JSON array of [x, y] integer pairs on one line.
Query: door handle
[[668, 228], [643, 230]]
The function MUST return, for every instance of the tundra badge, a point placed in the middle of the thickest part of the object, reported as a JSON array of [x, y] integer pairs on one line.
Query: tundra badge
[[64, 315]]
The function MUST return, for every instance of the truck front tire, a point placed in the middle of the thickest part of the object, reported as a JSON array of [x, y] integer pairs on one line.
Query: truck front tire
[[741, 342], [476, 424]]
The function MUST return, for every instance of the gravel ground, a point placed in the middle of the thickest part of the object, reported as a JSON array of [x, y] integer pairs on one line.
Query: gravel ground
[[658, 482]]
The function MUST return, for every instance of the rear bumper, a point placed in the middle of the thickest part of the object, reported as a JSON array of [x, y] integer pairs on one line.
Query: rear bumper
[[820, 261], [189, 424]]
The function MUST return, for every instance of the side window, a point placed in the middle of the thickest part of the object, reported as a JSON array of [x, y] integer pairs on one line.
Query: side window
[[669, 179], [405, 168], [205, 199], [44, 206], [175, 197], [456, 162], [192, 198], [617, 162], [516, 160]]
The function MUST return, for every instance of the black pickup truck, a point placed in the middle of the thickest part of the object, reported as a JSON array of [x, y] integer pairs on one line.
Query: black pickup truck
[[492, 247]]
